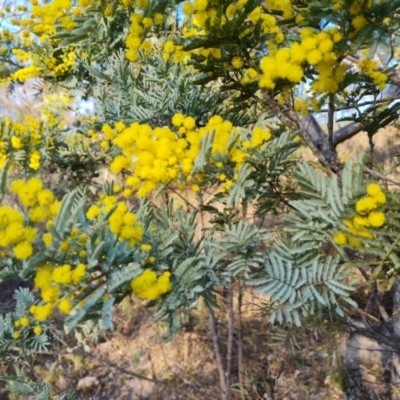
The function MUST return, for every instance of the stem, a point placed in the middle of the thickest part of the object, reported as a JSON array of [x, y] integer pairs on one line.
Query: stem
[[217, 350], [240, 339], [374, 291], [371, 149], [331, 114], [385, 258], [377, 174], [188, 203], [65, 370], [290, 118], [228, 373]]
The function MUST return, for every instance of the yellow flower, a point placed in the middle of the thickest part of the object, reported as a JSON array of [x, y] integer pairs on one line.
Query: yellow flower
[[37, 330], [366, 205], [65, 306], [340, 238], [93, 212], [314, 57], [16, 143], [164, 284], [48, 239], [360, 222], [359, 22], [23, 250], [45, 197], [43, 277], [177, 119], [42, 312], [62, 275], [354, 242], [376, 219], [189, 123], [24, 321], [16, 335], [237, 62], [380, 198], [50, 294], [143, 281], [374, 189], [78, 273], [148, 287]]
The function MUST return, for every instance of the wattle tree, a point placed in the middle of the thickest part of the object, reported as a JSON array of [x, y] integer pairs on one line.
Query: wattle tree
[[199, 111]]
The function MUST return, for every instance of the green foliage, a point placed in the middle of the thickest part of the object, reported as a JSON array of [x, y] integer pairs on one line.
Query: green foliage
[[228, 67]]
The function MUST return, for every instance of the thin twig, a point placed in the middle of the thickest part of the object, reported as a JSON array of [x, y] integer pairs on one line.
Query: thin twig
[[374, 291], [240, 339], [112, 365], [217, 350], [74, 388], [331, 115], [387, 255], [365, 103], [364, 313], [188, 203], [228, 373], [378, 175], [378, 337]]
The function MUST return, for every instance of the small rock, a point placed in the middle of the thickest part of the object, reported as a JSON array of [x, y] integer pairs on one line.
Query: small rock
[[369, 378], [62, 383], [105, 347], [87, 383], [140, 388]]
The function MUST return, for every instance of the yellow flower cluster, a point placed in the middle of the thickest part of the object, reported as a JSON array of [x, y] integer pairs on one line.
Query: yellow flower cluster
[[13, 234], [141, 23], [24, 323], [367, 217], [203, 14], [41, 202], [163, 155], [371, 69], [55, 284], [122, 223], [58, 68], [52, 66], [285, 6], [125, 225], [358, 8], [26, 136], [23, 74], [46, 17], [150, 287], [315, 49]]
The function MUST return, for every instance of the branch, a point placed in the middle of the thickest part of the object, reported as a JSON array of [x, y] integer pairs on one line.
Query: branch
[[345, 133], [318, 136], [240, 339], [377, 174], [123, 370], [387, 98], [294, 123], [217, 350], [228, 373], [331, 116]]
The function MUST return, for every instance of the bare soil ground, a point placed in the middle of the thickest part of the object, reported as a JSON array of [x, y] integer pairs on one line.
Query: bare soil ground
[[317, 367]]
